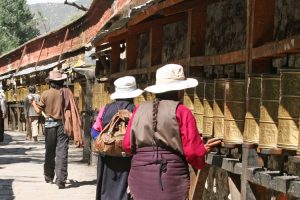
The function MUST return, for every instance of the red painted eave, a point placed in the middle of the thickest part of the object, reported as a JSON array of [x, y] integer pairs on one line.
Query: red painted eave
[[81, 32]]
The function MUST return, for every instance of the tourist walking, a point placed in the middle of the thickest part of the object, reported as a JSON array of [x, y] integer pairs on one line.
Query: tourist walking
[[31, 116], [163, 138], [112, 172], [54, 102]]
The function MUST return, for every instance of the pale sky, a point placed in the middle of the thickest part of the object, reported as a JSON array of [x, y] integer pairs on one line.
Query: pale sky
[[44, 1]]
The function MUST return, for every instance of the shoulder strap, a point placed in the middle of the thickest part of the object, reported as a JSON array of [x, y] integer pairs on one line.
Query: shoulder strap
[[110, 126], [62, 105], [121, 115]]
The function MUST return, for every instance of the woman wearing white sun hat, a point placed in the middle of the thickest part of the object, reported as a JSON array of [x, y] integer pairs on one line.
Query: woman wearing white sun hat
[[112, 172], [162, 137]]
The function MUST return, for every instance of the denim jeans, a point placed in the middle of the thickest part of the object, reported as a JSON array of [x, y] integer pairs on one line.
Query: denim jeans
[[56, 155]]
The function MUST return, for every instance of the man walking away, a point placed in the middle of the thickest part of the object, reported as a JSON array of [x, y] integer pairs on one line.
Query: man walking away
[[56, 140]]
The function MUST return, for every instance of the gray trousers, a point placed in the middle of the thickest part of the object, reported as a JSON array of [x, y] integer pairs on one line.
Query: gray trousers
[[1, 128], [56, 156]]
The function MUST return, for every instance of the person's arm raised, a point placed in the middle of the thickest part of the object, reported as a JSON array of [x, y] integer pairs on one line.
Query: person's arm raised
[[211, 143]]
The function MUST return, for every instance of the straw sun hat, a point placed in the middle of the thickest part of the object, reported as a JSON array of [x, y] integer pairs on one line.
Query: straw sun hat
[[56, 75], [125, 88], [170, 78]]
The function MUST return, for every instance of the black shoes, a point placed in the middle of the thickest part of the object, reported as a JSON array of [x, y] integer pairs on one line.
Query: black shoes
[[48, 180], [61, 185]]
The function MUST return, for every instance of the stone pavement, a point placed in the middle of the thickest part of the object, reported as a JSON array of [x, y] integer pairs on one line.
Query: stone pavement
[[21, 172]]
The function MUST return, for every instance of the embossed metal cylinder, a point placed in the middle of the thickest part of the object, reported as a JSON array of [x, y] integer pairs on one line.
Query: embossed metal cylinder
[[234, 111], [208, 108], [251, 128], [141, 98], [268, 121], [218, 108], [188, 98], [288, 113], [199, 105]]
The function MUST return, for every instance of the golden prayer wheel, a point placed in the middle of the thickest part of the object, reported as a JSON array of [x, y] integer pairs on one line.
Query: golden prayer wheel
[[234, 111], [21, 93], [188, 98], [251, 129], [218, 108], [208, 108], [150, 96], [288, 113], [199, 106], [268, 122], [100, 95], [141, 98], [78, 94], [9, 95], [288, 131]]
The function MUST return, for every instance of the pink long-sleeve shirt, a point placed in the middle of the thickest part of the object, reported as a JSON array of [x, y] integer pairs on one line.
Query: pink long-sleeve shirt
[[193, 146]]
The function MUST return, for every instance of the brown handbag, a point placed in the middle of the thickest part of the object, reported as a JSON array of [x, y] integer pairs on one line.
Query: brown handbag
[[109, 141]]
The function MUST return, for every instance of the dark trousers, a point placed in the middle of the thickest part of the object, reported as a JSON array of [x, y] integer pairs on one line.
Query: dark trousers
[[1, 129], [112, 175], [56, 156]]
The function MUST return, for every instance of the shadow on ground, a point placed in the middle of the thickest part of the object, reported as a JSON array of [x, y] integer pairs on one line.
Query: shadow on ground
[[11, 155], [6, 192], [74, 183]]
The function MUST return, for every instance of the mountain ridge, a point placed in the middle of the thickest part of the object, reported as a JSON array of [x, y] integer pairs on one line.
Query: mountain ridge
[[52, 16]]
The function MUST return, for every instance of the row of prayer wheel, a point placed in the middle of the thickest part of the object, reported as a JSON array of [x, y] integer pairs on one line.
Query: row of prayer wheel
[[268, 115], [21, 93]]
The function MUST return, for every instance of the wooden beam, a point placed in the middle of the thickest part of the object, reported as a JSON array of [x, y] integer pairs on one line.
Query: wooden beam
[[22, 56], [278, 48], [144, 70], [117, 35], [182, 7], [143, 27], [131, 51], [42, 46], [121, 34], [103, 46], [234, 183], [115, 57], [187, 5], [273, 180], [152, 10], [63, 45], [234, 57], [129, 72], [198, 189]]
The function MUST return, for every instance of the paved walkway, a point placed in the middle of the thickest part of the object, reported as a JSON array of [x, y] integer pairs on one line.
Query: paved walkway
[[21, 172]]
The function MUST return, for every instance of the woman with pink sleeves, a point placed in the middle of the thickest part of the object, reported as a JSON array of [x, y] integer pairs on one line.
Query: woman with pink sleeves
[[162, 138]]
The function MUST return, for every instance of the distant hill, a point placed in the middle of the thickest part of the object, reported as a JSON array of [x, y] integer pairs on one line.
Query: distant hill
[[52, 16]]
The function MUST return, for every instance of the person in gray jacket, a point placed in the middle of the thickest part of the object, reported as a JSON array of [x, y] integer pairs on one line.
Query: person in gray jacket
[[32, 117]]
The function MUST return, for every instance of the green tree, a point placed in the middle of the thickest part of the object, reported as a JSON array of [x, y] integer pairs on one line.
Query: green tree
[[17, 25]]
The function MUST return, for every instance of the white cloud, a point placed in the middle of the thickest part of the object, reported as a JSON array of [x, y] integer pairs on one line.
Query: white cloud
[[44, 1]]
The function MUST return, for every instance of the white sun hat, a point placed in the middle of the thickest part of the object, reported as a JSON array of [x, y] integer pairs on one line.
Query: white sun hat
[[125, 88], [171, 77]]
